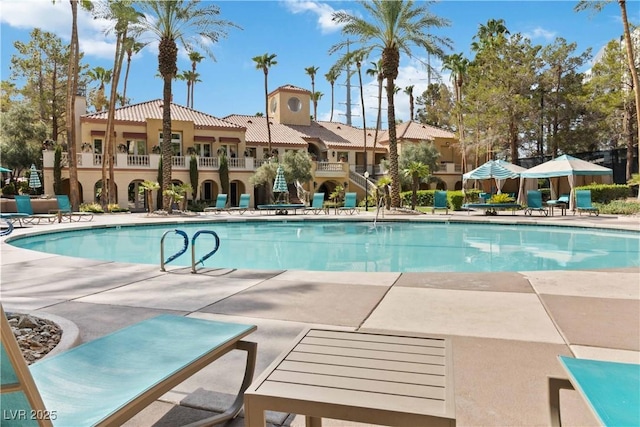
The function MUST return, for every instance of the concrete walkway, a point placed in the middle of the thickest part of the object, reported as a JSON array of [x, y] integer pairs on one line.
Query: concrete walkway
[[506, 328]]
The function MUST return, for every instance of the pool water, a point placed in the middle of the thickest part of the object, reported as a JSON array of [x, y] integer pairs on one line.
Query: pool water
[[356, 246]]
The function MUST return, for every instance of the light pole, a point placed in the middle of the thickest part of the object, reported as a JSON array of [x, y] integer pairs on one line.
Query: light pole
[[366, 190]]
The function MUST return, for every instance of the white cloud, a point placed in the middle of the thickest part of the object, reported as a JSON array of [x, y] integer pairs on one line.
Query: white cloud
[[540, 33], [323, 11], [56, 19]]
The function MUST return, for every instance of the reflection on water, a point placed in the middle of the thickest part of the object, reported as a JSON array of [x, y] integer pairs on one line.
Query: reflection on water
[[360, 246]]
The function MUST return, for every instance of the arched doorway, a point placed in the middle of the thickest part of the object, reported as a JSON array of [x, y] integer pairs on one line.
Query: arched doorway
[[137, 201]]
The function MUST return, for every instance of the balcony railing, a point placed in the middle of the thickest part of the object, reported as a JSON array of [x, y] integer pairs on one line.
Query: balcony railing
[[137, 160]]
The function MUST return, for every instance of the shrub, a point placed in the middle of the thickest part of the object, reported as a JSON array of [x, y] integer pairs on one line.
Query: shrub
[[501, 198], [115, 208], [619, 207], [455, 199], [91, 207], [604, 193]]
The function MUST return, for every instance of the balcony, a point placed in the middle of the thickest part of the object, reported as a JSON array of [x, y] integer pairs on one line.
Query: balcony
[[150, 161]]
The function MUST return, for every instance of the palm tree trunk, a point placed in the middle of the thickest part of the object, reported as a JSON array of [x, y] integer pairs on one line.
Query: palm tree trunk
[[633, 70], [167, 149], [266, 109], [331, 116], [72, 89], [126, 78], [364, 124], [393, 144]]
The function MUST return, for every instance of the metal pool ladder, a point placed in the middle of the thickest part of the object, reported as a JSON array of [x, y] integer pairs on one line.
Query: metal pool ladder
[[185, 238]]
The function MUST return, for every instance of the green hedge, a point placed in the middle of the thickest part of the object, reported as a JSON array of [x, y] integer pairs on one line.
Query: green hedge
[[605, 193], [455, 199]]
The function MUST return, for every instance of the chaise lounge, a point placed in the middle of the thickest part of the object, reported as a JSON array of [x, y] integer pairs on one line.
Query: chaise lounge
[[107, 381], [221, 205], [583, 203]]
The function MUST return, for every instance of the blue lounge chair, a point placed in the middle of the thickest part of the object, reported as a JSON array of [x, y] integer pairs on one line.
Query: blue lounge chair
[[534, 203], [583, 203], [243, 204], [23, 206], [317, 204], [65, 211], [562, 202], [122, 377], [610, 389], [221, 204], [440, 201], [13, 217], [349, 204]]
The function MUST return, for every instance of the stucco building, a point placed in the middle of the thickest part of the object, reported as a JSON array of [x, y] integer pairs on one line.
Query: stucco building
[[338, 150]]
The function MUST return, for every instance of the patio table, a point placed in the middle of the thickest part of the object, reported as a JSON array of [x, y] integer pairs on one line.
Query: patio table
[[357, 376]]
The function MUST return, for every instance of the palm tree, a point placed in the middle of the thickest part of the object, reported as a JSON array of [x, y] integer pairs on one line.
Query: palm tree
[[72, 90], [315, 97], [409, 91], [263, 63], [458, 65], [393, 27], [416, 171], [188, 22], [132, 47], [488, 34], [102, 76], [311, 71], [598, 6], [332, 77], [195, 58], [123, 16], [357, 57], [376, 71]]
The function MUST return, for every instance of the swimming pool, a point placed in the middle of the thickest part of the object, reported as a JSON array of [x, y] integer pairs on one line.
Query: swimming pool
[[356, 246]]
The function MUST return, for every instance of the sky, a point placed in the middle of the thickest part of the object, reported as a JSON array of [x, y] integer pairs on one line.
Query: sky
[[300, 33]]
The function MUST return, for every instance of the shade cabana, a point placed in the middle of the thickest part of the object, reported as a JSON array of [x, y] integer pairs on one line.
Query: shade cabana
[[498, 170], [577, 172]]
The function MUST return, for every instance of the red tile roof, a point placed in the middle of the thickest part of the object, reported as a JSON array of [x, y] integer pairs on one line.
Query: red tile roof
[[139, 113], [290, 88], [417, 131], [256, 131]]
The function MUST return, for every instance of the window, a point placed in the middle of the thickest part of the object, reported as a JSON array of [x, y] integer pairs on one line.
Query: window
[[202, 150], [294, 104], [137, 147], [176, 143], [97, 146]]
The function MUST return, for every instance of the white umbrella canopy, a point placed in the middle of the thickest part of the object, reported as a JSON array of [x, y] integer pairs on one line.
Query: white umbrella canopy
[[499, 170], [570, 167]]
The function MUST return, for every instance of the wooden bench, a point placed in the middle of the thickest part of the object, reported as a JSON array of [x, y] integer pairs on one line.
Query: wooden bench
[[107, 381], [355, 376]]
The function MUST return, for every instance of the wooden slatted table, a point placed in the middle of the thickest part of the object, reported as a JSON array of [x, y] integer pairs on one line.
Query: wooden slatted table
[[356, 376]]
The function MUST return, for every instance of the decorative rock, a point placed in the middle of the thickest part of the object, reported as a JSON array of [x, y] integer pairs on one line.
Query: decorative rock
[[36, 337]]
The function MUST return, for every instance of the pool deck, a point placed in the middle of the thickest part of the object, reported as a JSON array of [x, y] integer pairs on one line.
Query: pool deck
[[506, 328]]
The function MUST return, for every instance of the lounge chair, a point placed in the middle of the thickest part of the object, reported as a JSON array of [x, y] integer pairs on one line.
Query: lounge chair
[[562, 202], [65, 211], [349, 204], [583, 203], [110, 379], [440, 202], [534, 203], [221, 204], [317, 204], [243, 204], [23, 206], [610, 389], [13, 217]]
